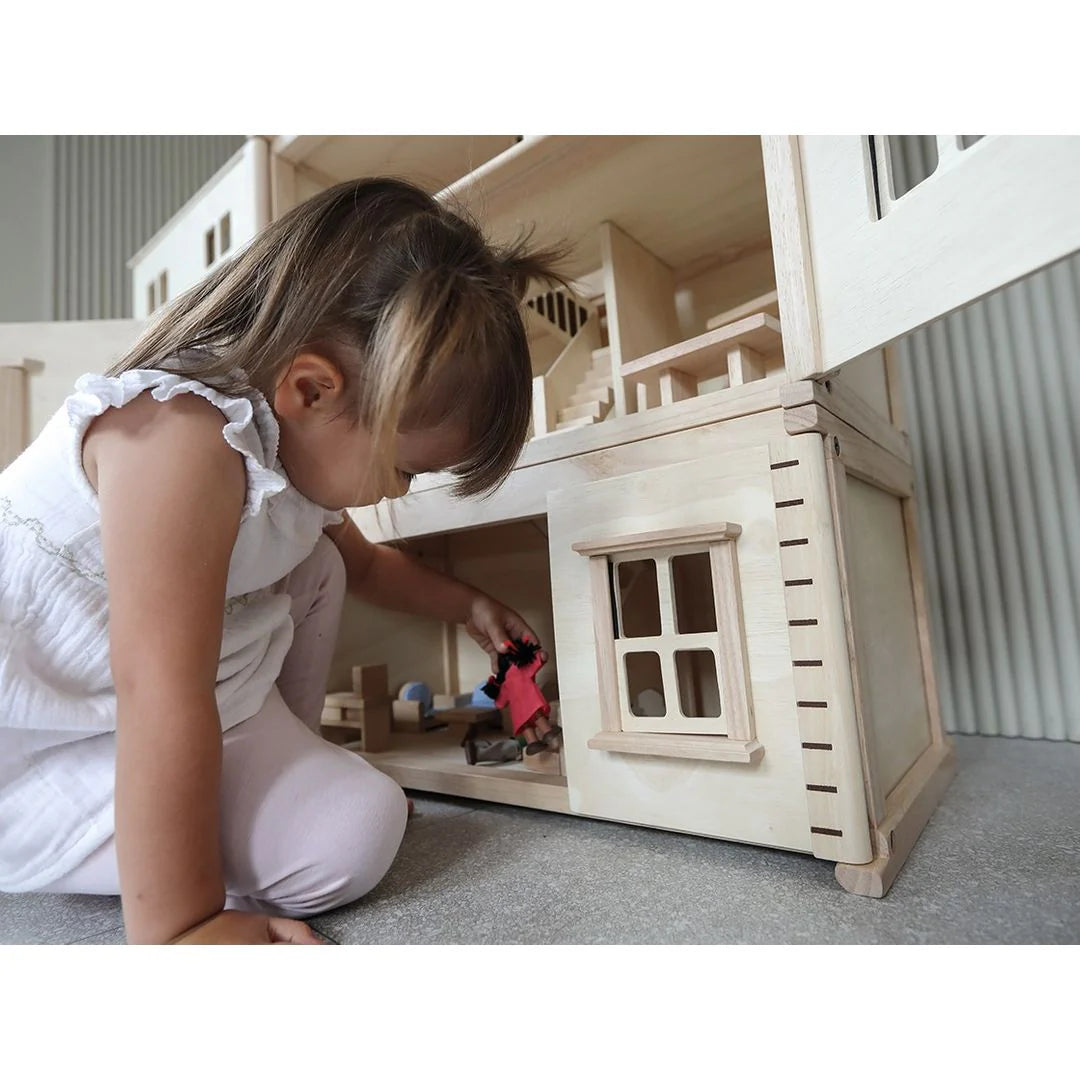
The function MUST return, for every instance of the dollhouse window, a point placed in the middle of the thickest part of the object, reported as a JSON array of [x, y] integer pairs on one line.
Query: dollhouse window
[[671, 643]]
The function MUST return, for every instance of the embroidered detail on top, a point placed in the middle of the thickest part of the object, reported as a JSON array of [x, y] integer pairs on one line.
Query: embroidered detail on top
[[60, 551], [235, 603]]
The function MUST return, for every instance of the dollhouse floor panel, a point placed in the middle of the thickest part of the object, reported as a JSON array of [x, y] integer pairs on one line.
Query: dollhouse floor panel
[[999, 862]]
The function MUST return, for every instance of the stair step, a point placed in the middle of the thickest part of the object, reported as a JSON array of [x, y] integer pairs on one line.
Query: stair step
[[595, 410], [567, 425], [584, 394], [603, 354]]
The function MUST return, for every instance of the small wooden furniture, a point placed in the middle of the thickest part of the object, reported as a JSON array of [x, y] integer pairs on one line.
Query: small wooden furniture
[[362, 716], [468, 718]]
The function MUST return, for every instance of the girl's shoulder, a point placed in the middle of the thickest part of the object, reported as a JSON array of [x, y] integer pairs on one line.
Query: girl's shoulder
[[122, 405], [188, 423]]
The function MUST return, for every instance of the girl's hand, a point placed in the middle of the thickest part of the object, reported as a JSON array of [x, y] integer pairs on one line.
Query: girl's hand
[[491, 626], [245, 928]]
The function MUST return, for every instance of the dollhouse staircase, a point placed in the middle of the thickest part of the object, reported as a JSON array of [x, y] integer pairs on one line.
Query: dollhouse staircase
[[576, 390], [594, 396]]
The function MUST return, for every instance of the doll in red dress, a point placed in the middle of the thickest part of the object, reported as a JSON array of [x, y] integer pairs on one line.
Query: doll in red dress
[[514, 685]]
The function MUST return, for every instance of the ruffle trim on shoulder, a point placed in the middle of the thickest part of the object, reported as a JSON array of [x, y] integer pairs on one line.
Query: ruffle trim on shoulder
[[251, 428]]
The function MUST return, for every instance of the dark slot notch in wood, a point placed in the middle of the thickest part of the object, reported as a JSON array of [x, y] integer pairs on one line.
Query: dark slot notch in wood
[[817, 745], [812, 704], [827, 788], [802, 622], [794, 543], [783, 464], [825, 832], [789, 502], [799, 581], [807, 663]]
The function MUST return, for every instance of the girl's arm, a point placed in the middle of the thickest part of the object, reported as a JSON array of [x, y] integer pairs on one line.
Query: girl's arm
[[171, 492], [389, 578]]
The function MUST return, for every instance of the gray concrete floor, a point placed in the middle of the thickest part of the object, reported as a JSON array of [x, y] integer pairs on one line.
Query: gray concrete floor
[[998, 863]]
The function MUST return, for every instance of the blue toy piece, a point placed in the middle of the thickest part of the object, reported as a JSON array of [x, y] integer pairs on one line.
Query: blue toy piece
[[417, 691], [480, 699]]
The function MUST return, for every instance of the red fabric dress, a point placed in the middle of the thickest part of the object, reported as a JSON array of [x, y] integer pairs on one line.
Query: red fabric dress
[[520, 692]]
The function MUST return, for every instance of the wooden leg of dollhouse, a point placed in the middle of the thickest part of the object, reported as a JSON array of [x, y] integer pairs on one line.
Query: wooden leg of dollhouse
[[907, 810], [14, 413]]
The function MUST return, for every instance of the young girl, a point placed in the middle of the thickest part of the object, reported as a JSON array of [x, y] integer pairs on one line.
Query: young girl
[[173, 559]]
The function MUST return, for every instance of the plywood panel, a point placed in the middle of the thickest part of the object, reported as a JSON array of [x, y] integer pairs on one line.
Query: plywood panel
[[764, 802], [688, 199], [886, 633], [990, 214], [431, 161], [435, 762], [721, 287], [410, 646], [525, 491], [867, 378]]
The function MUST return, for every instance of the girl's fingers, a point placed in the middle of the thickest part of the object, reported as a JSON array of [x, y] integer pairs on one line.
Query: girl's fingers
[[292, 932]]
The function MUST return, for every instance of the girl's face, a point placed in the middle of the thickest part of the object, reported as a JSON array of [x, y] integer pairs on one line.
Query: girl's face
[[328, 458]]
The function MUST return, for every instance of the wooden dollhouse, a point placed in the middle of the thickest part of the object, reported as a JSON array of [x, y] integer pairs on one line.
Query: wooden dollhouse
[[713, 526]]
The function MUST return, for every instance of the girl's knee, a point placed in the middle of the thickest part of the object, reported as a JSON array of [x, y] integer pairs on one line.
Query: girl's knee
[[356, 844], [373, 837]]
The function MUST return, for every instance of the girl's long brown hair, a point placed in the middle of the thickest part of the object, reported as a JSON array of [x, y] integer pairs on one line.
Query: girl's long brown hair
[[420, 313]]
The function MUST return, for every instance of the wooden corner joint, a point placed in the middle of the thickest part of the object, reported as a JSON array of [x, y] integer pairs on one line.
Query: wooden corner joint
[[908, 808]]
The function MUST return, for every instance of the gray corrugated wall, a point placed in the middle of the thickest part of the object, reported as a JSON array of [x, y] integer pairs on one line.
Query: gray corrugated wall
[[993, 394], [111, 193]]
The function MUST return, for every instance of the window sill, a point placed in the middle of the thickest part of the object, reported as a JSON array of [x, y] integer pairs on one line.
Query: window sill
[[700, 747]]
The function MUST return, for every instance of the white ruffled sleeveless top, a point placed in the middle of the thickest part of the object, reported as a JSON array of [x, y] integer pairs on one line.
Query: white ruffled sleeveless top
[[57, 700]]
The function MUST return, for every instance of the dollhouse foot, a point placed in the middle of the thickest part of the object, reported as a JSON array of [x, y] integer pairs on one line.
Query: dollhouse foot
[[535, 748], [907, 810], [553, 739]]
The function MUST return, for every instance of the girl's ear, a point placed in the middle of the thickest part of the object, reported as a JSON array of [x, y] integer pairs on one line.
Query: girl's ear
[[311, 386]]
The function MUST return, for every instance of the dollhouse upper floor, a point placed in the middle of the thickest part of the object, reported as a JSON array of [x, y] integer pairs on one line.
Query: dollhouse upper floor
[[673, 318]]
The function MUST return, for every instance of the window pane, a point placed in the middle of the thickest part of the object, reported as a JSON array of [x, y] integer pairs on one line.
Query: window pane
[[639, 599], [695, 608], [699, 690], [645, 684], [209, 247], [225, 233], [914, 158]]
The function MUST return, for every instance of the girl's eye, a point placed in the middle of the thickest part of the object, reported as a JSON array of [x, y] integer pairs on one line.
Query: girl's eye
[[408, 477]]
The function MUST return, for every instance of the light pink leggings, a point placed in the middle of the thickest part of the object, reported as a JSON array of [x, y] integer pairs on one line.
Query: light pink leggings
[[305, 825]]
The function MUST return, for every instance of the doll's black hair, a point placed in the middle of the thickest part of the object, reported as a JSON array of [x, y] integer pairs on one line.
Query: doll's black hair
[[520, 654]]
